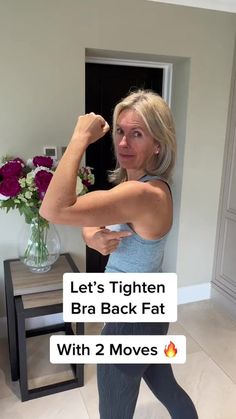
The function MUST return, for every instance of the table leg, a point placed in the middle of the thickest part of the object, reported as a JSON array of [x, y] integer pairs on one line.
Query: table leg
[[11, 325], [22, 352]]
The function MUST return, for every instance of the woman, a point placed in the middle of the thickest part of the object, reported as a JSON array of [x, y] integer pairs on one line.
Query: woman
[[141, 208]]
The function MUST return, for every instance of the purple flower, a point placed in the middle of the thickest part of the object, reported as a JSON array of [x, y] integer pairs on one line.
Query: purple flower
[[19, 160], [42, 180], [12, 168], [86, 182], [10, 186], [44, 161]]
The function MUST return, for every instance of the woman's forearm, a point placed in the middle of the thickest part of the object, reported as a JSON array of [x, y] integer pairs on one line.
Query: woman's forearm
[[61, 192]]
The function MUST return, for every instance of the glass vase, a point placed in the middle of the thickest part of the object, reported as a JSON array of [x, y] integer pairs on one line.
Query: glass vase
[[39, 245]]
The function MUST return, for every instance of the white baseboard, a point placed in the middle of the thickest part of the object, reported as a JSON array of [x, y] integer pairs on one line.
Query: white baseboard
[[194, 293], [185, 295]]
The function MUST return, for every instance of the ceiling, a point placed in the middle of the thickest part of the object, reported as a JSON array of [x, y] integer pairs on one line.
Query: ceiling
[[223, 5]]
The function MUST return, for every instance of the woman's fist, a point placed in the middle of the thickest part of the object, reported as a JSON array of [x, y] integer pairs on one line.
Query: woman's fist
[[90, 127]]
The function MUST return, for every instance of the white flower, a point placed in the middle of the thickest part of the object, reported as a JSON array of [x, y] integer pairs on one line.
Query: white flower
[[32, 188], [22, 182], [30, 163], [3, 197], [39, 168], [30, 178], [28, 194], [22, 198], [79, 186], [91, 178]]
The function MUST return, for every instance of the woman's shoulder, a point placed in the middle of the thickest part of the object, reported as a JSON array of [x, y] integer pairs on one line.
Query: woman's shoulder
[[155, 178], [149, 190]]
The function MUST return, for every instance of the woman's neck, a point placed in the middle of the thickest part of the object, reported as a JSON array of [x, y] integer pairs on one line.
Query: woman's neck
[[135, 174]]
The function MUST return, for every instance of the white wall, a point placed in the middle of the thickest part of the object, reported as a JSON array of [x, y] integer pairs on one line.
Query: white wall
[[42, 50]]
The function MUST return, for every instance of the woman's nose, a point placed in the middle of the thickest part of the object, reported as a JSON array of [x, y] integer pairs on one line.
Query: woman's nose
[[123, 141]]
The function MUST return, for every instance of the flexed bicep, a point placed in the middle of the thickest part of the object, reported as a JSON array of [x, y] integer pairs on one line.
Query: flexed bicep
[[124, 203]]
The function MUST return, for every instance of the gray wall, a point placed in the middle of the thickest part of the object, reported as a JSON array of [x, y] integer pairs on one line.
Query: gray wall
[[42, 48]]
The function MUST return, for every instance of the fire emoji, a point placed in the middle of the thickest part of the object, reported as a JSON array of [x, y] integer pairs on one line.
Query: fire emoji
[[171, 350]]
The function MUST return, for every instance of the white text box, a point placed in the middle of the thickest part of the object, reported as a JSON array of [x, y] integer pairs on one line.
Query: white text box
[[122, 349], [120, 297]]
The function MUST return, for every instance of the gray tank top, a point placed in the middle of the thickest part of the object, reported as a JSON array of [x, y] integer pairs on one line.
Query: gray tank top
[[135, 254]]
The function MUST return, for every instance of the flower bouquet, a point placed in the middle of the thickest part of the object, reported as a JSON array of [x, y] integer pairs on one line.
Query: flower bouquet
[[23, 186]]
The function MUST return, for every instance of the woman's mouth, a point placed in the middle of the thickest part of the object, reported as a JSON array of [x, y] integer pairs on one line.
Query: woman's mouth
[[125, 156]]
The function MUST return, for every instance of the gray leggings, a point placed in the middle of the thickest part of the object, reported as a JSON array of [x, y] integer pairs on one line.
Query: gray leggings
[[118, 384]]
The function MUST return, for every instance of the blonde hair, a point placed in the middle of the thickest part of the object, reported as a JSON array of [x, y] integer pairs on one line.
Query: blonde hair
[[158, 119]]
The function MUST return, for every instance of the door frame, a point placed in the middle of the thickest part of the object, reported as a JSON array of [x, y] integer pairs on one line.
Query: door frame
[[223, 289], [167, 70]]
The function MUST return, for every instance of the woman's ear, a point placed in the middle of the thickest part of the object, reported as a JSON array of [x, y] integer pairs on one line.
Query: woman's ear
[[157, 149]]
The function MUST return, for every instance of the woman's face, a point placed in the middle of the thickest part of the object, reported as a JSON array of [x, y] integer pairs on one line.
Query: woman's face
[[134, 145]]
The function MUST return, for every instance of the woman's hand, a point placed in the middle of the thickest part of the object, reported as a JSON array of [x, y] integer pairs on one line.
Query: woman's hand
[[90, 128], [103, 240], [61, 193]]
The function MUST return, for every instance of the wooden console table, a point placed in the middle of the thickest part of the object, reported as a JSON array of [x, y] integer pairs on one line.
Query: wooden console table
[[29, 295]]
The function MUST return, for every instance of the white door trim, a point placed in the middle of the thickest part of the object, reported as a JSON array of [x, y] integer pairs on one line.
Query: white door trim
[[167, 70], [224, 271], [222, 5]]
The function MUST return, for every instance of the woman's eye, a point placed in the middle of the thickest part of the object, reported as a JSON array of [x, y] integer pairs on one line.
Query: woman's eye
[[137, 134], [118, 131]]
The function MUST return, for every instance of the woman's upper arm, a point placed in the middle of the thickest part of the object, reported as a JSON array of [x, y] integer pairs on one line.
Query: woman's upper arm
[[121, 204]]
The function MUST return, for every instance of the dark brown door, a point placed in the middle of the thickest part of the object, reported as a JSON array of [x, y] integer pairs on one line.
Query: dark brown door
[[105, 85]]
